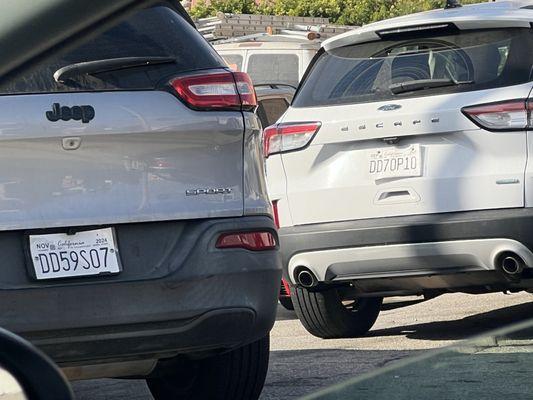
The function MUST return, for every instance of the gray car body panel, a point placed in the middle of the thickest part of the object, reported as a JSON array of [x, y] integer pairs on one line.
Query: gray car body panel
[[137, 158], [255, 189]]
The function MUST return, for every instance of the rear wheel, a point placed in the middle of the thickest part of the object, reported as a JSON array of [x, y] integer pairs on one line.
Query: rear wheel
[[325, 314], [236, 375]]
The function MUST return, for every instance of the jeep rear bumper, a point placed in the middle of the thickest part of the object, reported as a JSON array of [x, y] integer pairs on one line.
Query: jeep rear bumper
[[411, 253], [177, 294]]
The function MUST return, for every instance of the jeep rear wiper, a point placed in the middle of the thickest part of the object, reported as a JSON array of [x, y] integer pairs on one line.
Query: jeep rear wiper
[[111, 64], [422, 84]]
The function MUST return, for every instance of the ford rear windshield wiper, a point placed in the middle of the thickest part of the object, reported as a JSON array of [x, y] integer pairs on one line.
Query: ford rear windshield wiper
[[111, 64], [423, 84]]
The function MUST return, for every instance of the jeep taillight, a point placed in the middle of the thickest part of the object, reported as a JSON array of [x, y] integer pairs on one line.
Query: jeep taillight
[[281, 138], [509, 115], [216, 91]]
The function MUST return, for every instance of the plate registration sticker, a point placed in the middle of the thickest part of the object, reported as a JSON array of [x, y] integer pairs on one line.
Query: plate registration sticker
[[85, 253], [391, 162]]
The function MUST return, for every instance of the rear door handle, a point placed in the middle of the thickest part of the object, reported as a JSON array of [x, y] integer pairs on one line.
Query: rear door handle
[[397, 195]]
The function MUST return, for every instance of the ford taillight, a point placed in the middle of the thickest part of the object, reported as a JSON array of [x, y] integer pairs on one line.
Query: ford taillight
[[216, 91], [288, 137], [509, 115]]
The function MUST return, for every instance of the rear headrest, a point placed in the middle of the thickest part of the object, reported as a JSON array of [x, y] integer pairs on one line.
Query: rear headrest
[[409, 67]]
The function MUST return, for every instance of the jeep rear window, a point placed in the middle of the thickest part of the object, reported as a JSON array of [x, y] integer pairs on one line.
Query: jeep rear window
[[157, 31], [464, 61]]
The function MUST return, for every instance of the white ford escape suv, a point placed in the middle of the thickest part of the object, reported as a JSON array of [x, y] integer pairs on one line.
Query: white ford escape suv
[[402, 165]]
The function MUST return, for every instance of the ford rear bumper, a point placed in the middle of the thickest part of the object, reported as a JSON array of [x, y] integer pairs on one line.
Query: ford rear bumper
[[411, 253]]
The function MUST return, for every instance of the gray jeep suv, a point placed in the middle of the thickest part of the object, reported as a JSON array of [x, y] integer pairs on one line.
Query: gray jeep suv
[[135, 226]]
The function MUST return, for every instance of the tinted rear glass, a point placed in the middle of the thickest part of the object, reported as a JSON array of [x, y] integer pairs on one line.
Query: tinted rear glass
[[467, 61], [270, 110], [274, 68], [158, 31]]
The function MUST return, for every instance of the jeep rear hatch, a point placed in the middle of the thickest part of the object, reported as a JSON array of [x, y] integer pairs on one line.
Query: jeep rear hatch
[[124, 142]]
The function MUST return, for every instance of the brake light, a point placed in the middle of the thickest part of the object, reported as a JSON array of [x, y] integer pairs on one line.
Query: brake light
[[288, 137], [507, 115], [255, 241], [246, 90], [216, 91]]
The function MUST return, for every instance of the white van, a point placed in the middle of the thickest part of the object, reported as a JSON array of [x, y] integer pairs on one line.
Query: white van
[[280, 60]]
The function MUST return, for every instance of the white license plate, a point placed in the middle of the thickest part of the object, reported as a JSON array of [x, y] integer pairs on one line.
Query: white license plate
[[391, 162], [85, 253]]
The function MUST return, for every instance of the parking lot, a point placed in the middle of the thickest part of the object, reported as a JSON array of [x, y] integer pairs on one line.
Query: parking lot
[[301, 363], [172, 169]]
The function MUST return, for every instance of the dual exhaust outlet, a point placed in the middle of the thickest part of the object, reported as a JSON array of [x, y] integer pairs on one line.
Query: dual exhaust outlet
[[305, 278], [510, 263]]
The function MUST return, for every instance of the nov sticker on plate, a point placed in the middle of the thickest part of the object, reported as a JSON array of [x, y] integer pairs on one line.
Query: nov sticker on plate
[[391, 162], [85, 253]]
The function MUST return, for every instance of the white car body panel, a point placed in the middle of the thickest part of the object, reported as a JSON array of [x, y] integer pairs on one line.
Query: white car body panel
[[463, 167], [446, 108]]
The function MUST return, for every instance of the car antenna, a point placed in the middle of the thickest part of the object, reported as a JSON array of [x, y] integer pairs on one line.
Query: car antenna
[[452, 4]]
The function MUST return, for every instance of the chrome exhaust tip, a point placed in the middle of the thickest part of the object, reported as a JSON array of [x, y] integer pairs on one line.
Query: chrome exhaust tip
[[512, 264], [306, 278]]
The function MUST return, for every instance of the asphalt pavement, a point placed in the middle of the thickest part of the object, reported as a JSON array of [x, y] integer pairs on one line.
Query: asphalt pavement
[[301, 364]]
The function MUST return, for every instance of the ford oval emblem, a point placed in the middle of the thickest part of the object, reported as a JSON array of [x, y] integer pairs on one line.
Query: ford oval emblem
[[389, 107]]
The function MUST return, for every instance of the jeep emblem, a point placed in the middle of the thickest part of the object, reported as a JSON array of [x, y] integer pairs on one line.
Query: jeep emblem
[[389, 107], [77, 113]]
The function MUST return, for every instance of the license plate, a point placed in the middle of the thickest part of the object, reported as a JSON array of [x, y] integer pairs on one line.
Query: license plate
[[86, 253], [390, 162]]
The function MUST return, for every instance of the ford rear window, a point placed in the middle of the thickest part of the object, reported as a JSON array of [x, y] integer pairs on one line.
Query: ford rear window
[[421, 66]]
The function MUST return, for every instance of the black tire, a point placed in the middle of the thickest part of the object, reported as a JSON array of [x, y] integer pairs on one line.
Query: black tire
[[286, 302], [324, 314], [236, 375]]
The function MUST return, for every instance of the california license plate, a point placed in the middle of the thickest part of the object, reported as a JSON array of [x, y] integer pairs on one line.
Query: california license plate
[[391, 162], [85, 253]]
